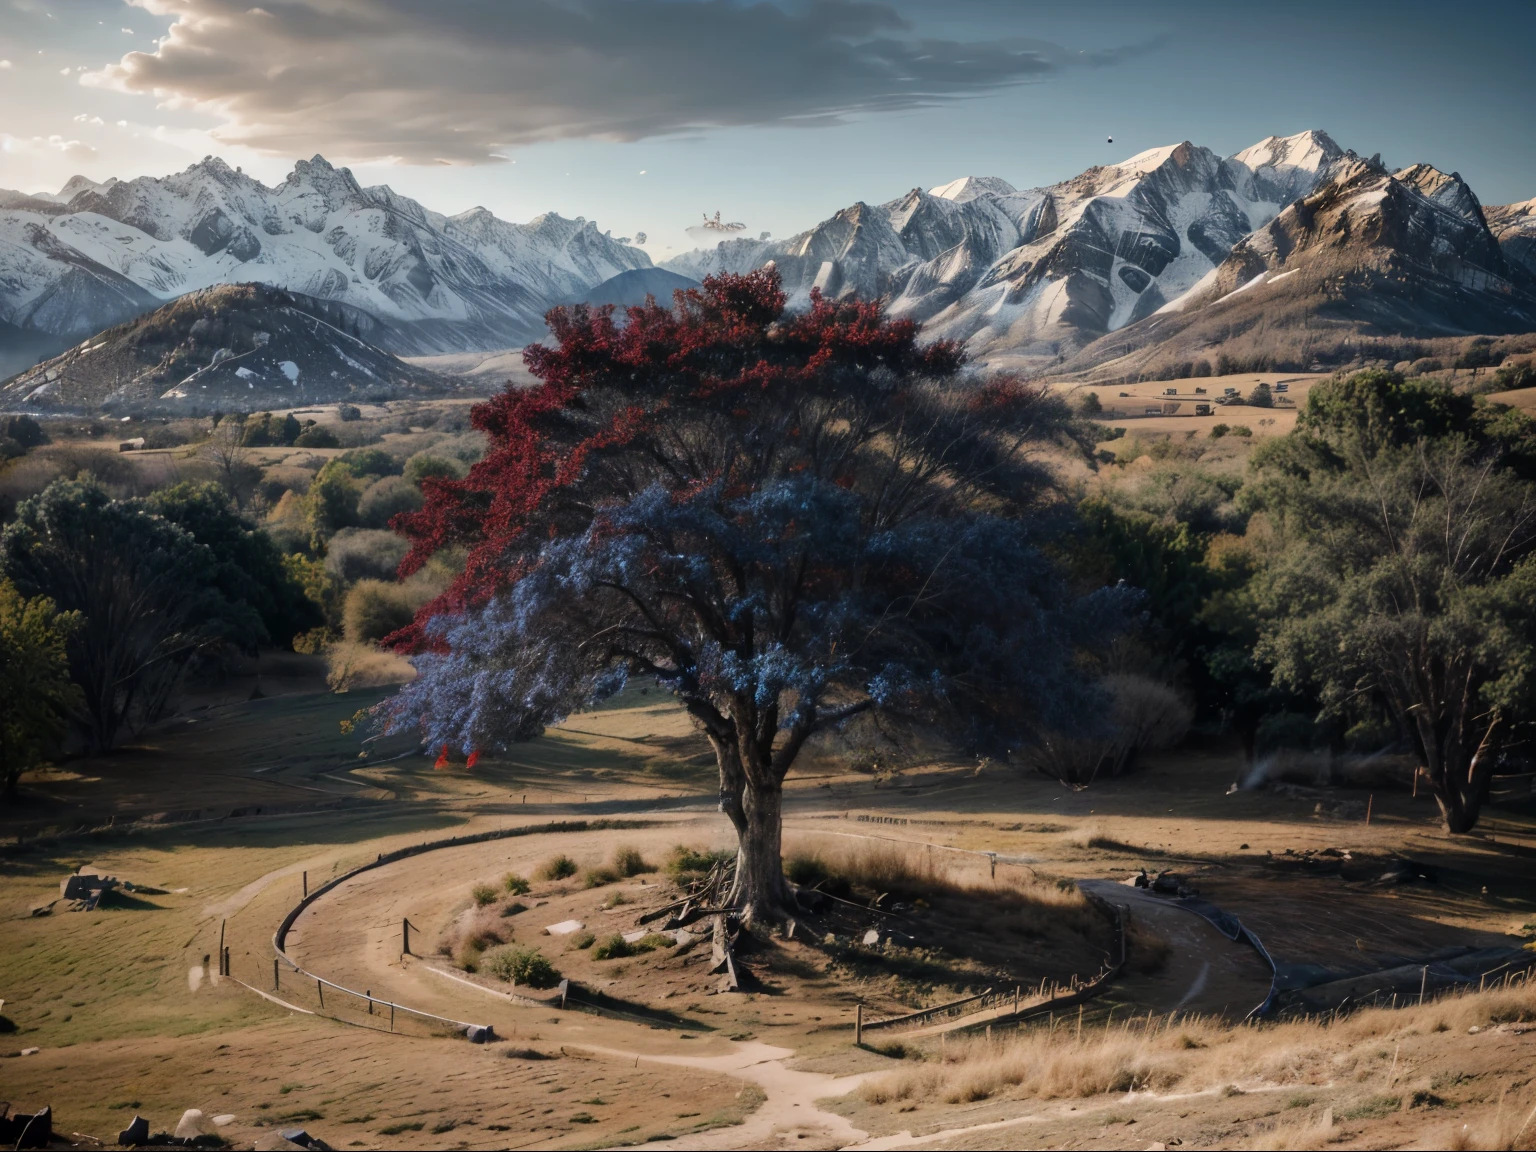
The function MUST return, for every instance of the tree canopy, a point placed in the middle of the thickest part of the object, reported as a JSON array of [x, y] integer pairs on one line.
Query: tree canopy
[[147, 592], [1407, 573], [36, 696], [786, 519]]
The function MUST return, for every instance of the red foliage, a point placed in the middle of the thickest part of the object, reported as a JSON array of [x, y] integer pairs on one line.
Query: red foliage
[[721, 347]]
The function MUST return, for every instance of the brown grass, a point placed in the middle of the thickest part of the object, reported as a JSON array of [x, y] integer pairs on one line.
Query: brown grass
[[1163, 1054], [912, 871]]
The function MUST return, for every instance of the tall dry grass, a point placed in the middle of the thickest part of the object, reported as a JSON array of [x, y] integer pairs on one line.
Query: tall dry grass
[[1164, 1054], [911, 871]]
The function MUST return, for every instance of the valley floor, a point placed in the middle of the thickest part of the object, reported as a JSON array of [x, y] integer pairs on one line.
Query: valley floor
[[228, 813]]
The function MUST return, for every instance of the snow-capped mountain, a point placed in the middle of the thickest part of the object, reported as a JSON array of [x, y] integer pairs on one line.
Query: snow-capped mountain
[[1514, 226], [235, 347], [95, 254], [1369, 254], [1039, 273]]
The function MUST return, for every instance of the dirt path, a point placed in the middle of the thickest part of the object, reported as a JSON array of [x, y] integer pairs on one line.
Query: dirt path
[[1205, 972], [788, 1116]]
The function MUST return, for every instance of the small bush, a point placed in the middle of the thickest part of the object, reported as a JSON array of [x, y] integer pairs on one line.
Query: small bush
[[684, 861], [611, 948], [386, 498], [615, 900], [374, 609], [424, 467], [515, 884], [483, 895], [597, 877], [1219, 430], [514, 908], [317, 436], [346, 413], [1241, 430], [370, 462], [556, 868], [355, 554], [520, 965], [653, 941], [627, 861], [580, 941]]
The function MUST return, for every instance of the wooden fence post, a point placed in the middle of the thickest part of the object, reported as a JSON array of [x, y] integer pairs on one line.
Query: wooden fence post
[[405, 931], [306, 885], [221, 948], [858, 1024], [275, 983], [320, 991]]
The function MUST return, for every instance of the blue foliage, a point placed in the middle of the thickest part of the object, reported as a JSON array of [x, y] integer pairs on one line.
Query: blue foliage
[[785, 602]]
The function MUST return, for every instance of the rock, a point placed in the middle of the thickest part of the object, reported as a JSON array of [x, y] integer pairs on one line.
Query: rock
[[872, 936], [480, 1033], [565, 927], [275, 1142], [30, 1051], [135, 1134], [191, 1125], [224, 1121], [34, 1131]]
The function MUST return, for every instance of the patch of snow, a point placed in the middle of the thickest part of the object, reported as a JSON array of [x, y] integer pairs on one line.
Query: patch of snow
[[290, 370]]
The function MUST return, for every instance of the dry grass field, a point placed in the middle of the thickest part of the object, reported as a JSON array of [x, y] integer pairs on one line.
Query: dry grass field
[[127, 1013]]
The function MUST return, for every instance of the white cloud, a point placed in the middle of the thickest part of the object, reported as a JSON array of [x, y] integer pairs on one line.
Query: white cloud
[[43, 145], [63, 71], [462, 81], [5, 63]]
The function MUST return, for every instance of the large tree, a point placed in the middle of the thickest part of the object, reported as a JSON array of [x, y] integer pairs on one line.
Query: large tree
[[36, 696], [786, 519], [1405, 575], [146, 591]]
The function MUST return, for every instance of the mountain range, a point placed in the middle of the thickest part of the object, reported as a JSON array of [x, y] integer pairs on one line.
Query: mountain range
[[1033, 278], [410, 280], [1286, 254]]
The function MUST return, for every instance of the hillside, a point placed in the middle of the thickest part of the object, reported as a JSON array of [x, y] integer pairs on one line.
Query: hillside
[[233, 348]]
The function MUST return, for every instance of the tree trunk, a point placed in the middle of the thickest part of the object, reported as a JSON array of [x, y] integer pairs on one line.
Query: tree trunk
[[1460, 783], [760, 891]]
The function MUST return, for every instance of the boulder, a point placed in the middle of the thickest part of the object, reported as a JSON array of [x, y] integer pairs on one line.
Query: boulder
[[135, 1134], [192, 1125]]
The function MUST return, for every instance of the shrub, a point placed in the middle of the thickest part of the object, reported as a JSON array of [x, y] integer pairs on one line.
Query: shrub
[[515, 884], [374, 609], [316, 436], [386, 498], [24, 430], [355, 554], [1261, 397], [597, 877], [627, 861], [370, 462], [684, 861], [423, 466], [580, 941], [1241, 430], [611, 948], [346, 413], [483, 894], [556, 868], [520, 965], [1219, 430], [514, 908]]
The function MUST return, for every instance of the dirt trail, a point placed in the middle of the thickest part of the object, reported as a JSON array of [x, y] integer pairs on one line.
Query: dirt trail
[[1205, 973], [787, 1117]]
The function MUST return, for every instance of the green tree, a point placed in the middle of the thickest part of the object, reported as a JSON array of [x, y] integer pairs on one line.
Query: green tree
[[145, 590], [36, 696], [1406, 571], [246, 565], [331, 502], [1261, 397]]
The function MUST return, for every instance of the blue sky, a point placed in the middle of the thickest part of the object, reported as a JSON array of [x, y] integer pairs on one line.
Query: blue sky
[[643, 114]]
